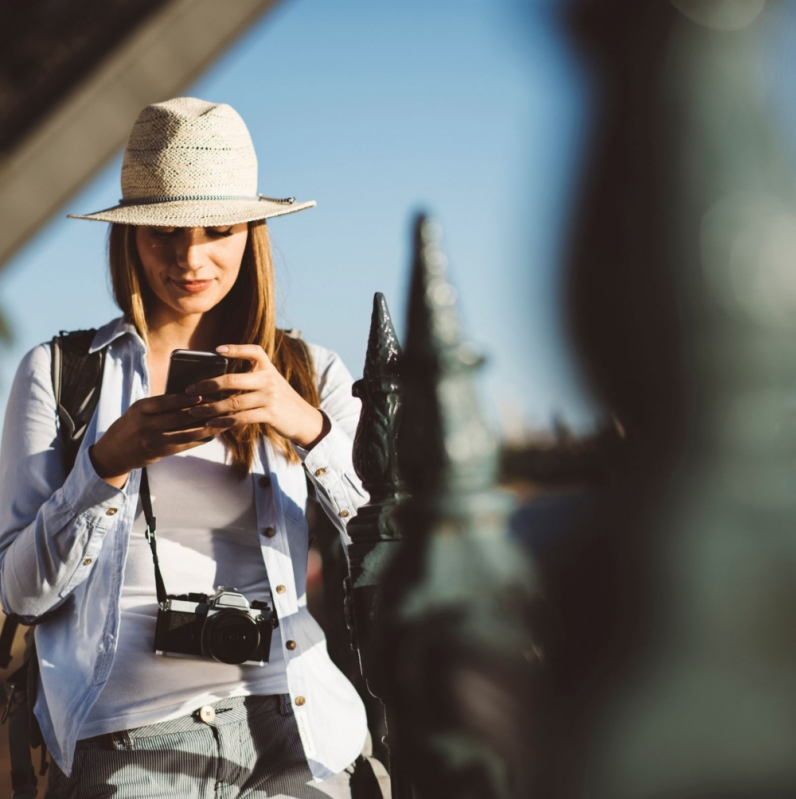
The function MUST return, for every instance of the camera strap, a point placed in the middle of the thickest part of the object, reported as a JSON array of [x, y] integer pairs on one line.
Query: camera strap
[[151, 535]]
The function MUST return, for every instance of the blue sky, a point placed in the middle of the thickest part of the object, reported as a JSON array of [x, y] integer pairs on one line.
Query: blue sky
[[473, 110]]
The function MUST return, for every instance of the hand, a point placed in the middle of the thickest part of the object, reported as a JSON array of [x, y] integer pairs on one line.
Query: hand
[[261, 396], [147, 431]]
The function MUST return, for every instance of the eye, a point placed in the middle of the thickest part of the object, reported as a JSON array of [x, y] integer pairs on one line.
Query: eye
[[219, 232], [162, 232]]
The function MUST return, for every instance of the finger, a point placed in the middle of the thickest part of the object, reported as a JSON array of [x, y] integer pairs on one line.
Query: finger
[[237, 381], [250, 352], [166, 402], [238, 402], [173, 420], [253, 416], [179, 438]]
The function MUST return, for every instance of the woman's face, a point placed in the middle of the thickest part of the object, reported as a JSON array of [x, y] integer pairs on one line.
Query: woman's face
[[190, 270]]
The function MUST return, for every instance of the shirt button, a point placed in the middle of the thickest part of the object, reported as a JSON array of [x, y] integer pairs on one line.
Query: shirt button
[[270, 532], [280, 589], [207, 713], [300, 700], [291, 645], [320, 472], [265, 481], [344, 514], [110, 512], [88, 561]]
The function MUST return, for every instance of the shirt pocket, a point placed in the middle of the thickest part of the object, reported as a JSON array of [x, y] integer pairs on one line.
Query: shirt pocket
[[298, 542], [293, 511], [294, 496]]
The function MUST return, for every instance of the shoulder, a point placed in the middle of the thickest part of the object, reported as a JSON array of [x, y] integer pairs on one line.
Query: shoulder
[[100, 337], [328, 365], [321, 357], [37, 359], [32, 384], [36, 363]]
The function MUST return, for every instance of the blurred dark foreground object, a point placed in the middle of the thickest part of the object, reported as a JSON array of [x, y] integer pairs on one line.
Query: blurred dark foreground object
[[676, 673], [457, 659]]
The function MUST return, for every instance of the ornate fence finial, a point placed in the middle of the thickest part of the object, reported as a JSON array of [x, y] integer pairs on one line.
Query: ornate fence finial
[[374, 445]]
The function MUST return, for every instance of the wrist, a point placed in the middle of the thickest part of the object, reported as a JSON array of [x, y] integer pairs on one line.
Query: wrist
[[315, 431], [112, 475]]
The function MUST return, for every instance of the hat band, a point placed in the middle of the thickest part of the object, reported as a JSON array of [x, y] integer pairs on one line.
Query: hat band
[[212, 197]]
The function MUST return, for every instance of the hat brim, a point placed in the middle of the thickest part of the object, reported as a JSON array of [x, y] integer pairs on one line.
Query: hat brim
[[195, 213]]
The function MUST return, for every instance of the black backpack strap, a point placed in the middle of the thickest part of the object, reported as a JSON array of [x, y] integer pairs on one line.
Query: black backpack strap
[[77, 377]]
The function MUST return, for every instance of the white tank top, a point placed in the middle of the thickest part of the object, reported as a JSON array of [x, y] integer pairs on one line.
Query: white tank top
[[207, 537]]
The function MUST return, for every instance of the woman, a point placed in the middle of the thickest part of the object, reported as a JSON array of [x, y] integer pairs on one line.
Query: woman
[[226, 463]]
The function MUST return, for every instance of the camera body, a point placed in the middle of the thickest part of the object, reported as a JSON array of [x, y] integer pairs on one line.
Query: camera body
[[224, 626]]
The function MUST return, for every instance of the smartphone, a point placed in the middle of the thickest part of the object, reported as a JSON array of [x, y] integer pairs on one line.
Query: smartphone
[[187, 367]]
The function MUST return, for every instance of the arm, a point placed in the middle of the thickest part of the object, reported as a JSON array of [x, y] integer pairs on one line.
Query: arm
[[329, 463], [50, 524]]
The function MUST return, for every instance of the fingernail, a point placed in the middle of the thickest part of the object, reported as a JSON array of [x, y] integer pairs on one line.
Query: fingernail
[[200, 410], [222, 348], [222, 422], [191, 391]]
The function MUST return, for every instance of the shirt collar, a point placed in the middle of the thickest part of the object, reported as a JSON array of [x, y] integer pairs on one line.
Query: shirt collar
[[110, 332]]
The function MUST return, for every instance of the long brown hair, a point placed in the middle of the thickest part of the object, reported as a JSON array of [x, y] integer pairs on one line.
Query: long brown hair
[[248, 317]]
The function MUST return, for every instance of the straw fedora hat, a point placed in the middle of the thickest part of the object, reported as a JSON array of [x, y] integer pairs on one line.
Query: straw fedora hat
[[190, 163]]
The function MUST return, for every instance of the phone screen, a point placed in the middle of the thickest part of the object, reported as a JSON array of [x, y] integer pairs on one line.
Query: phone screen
[[187, 367]]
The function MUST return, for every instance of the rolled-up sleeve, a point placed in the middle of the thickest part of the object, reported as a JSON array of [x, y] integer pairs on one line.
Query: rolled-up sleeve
[[329, 463], [51, 525]]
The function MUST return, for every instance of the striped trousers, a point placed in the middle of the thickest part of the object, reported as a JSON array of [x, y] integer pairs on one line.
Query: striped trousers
[[251, 749]]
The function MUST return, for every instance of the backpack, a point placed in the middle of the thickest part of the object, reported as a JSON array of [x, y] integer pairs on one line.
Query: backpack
[[76, 379]]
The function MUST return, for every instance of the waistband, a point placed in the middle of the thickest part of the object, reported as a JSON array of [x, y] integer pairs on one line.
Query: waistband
[[232, 710]]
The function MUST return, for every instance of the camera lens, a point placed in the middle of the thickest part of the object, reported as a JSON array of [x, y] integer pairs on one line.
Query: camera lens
[[231, 637]]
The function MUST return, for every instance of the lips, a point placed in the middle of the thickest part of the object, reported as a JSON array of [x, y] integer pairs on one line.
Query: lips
[[192, 286]]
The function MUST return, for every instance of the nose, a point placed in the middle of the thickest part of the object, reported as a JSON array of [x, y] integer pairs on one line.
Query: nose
[[188, 249]]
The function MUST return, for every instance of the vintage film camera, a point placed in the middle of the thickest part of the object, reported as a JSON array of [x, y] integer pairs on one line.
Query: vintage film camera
[[224, 626]]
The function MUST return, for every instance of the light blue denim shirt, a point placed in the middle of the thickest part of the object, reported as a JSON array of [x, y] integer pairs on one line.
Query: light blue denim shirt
[[64, 539]]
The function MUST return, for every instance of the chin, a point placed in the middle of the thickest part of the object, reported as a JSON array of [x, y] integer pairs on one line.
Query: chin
[[196, 306]]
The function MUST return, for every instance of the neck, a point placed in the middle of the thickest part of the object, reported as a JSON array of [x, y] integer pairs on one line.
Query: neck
[[194, 332]]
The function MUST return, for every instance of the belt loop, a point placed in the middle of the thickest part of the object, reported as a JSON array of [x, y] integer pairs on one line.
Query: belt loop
[[285, 705]]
